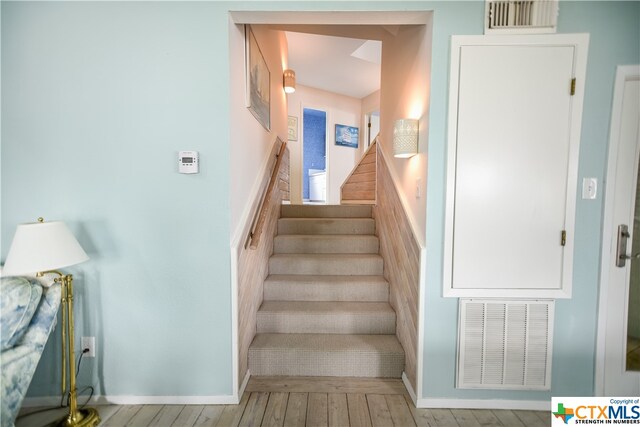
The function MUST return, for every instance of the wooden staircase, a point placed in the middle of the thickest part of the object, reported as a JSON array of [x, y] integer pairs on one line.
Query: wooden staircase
[[360, 186]]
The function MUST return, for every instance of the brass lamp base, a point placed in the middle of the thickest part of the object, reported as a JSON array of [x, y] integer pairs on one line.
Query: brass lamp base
[[87, 417]]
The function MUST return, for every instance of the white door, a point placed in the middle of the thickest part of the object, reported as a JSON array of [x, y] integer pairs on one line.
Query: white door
[[512, 167], [619, 373]]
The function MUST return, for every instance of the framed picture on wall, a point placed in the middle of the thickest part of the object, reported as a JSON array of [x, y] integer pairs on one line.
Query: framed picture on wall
[[258, 81], [293, 128], [347, 136]]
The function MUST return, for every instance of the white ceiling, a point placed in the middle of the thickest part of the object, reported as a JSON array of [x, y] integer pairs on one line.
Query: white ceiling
[[335, 64]]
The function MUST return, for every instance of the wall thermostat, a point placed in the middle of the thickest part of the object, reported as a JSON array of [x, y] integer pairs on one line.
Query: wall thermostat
[[188, 162]]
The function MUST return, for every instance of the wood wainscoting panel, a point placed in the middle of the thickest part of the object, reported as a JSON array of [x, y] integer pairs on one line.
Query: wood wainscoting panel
[[401, 254], [283, 177], [253, 264]]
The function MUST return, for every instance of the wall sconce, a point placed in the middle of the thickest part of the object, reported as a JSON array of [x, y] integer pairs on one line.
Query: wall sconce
[[405, 138], [289, 81]]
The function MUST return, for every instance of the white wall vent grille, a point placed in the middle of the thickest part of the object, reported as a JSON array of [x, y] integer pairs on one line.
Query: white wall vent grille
[[505, 344], [521, 17]]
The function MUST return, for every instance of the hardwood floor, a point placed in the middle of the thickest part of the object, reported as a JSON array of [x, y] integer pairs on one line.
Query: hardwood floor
[[288, 401]]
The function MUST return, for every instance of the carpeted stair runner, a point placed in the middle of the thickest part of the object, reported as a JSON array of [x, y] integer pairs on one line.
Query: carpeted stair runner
[[325, 309]]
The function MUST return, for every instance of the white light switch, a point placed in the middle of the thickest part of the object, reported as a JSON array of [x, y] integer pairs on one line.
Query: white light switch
[[589, 188], [418, 188]]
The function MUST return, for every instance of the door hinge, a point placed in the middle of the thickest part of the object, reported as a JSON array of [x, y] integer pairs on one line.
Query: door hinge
[[563, 238], [573, 86]]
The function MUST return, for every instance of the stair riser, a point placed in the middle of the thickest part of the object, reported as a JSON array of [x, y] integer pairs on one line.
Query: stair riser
[[314, 363], [325, 245], [321, 266], [298, 211], [326, 292], [326, 226], [334, 323]]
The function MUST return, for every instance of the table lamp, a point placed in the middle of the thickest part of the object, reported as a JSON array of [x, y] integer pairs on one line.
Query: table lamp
[[41, 248]]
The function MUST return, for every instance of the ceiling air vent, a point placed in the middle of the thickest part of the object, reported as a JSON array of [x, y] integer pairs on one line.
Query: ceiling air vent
[[505, 344], [521, 17]]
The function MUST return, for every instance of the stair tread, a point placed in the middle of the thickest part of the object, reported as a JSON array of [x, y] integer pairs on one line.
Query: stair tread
[[285, 287], [329, 264], [326, 243], [327, 236], [327, 219], [328, 342], [341, 355], [328, 256], [320, 317], [326, 307], [315, 278], [326, 211], [316, 226]]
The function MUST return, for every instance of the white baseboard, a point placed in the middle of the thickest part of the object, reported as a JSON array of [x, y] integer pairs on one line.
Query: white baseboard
[[30, 402], [523, 405], [409, 388]]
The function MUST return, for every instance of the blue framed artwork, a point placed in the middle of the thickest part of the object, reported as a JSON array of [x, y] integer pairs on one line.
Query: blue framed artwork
[[347, 136]]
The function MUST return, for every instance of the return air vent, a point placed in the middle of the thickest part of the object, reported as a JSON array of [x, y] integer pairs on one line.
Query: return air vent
[[505, 344], [521, 17]]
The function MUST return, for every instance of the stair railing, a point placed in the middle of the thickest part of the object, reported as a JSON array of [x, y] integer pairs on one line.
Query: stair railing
[[260, 215]]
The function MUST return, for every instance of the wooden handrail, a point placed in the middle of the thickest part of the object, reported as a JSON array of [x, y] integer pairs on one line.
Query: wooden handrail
[[261, 215]]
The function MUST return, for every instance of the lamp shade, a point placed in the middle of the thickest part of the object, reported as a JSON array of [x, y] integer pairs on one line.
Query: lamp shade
[[289, 81], [42, 246], [405, 138]]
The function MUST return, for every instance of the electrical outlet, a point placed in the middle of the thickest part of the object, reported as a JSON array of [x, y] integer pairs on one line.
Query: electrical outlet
[[90, 343]]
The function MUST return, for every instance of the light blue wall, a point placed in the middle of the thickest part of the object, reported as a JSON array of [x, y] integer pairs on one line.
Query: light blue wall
[[615, 39], [98, 98]]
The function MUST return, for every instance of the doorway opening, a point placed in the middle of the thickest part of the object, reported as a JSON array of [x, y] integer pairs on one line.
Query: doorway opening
[[406, 36], [314, 162], [372, 120], [617, 367]]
